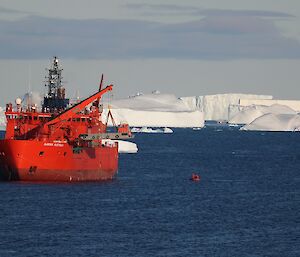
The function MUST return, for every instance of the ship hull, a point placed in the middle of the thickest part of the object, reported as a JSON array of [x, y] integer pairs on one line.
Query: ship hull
[[29, 160]]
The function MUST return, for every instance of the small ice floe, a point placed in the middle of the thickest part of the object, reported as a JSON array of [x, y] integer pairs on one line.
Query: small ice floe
[[167, 130], [127, 147], [151, 130], [135, 130], [124, 146]]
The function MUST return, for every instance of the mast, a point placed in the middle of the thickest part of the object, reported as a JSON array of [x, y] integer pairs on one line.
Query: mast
[[54, 100]]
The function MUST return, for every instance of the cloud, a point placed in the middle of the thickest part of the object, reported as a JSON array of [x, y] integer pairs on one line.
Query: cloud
[[4, 10], [242, 35], [152, 9], [169, 9]]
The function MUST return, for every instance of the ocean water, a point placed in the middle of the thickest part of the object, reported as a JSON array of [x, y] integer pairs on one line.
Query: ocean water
[[247, 202]]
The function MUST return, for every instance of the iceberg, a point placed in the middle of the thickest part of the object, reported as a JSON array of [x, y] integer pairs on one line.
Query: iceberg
[[151, 130], [167, 130], [166, 110], [217, 107], [250, 113], [293, 104], [124, 146], [2, 119], [154, 110], [153, 102], [275, 122], [140, 118]]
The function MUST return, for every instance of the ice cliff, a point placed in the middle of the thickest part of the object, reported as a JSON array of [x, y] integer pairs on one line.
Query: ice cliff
[[166, 110], [216, 107], [155, 110]]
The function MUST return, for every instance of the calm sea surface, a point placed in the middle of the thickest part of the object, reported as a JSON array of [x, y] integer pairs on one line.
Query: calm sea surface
[[246, 204]]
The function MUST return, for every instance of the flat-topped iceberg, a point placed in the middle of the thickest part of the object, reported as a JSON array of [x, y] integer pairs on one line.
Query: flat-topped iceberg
[[154, 110], [216, 107], [153, 102]]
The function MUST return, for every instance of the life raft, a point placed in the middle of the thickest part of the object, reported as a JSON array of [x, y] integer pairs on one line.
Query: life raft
[[195, 177]]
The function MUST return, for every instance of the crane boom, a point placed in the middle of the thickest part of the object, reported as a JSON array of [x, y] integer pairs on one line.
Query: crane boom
[[100, 88], [78, 107]]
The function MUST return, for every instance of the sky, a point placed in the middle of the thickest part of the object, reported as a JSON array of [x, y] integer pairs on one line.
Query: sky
[[187, 48]]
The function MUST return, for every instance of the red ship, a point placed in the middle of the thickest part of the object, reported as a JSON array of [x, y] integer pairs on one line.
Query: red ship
[[59, 142]]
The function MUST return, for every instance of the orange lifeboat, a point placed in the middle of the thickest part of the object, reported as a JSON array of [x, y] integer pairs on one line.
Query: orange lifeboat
[[195, 177]]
